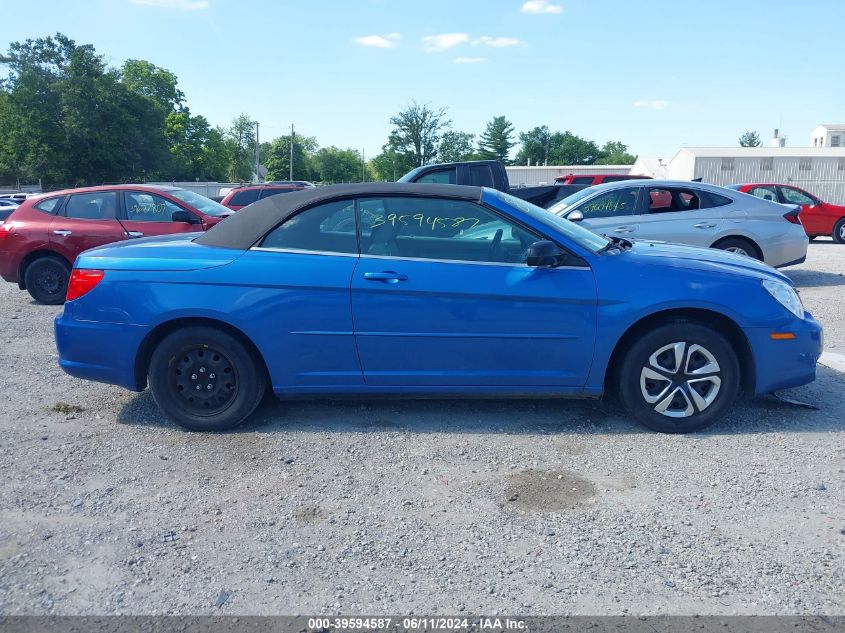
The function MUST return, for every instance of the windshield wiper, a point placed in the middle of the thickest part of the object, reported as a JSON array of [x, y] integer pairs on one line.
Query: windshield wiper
[[619, 243]]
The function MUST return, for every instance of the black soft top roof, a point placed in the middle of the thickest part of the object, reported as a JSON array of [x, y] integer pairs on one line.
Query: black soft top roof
[[245, 227]]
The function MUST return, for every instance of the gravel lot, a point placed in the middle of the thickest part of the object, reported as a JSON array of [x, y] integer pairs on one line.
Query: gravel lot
[[512, 507]]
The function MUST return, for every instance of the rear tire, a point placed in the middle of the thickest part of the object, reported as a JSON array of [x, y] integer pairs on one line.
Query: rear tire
[[205, 379], [739, 245], [679, 377], [838, 234], [46, 280]]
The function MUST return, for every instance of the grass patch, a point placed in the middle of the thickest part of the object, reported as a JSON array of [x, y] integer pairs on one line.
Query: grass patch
[[64, 407]]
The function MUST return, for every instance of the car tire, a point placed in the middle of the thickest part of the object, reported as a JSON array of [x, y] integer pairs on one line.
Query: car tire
[[46, 279], [205, 379], [838, 234], [739, 245], [679, 377]]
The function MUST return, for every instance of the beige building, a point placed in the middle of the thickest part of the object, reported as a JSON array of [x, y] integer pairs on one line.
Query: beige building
[[828, 135]]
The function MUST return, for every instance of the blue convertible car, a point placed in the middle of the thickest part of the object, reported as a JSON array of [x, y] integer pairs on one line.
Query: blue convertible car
[[429, 290]]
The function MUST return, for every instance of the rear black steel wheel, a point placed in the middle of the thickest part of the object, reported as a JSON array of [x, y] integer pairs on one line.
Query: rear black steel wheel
[[46, 280], [205, 379]]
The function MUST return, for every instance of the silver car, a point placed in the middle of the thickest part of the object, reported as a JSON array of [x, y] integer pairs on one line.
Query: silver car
[[690, 213]]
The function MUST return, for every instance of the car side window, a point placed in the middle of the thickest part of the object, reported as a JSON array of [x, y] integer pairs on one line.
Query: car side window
[[671, 200], [766, 193], [101, 205], [326, 227], [793, 196], [148, 207], [440, 229], [481, 176], [611, 204], [710, 199], [50, 205], [443, 176], [244, 197]]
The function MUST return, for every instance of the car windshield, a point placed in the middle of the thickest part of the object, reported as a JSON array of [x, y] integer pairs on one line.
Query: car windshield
[[200, 203], [558, 207], [578, 234]]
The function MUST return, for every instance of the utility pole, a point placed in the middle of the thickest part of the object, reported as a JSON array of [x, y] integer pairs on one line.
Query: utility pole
[[290, 177], [257, 162], [363, 166]]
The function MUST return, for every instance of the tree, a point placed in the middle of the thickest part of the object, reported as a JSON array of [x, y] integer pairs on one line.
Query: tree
[[240, 142], [615, 153], [456, 146], [535, 146], [333, 165], [155, 83], [196, 149], [278, 158], [497, 140], [391, 164], [556, 148], [750, 139], [417, 131]]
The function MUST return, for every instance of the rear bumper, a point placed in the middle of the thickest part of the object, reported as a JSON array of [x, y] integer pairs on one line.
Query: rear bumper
[[103, 352], [787, 249], [780, 364]]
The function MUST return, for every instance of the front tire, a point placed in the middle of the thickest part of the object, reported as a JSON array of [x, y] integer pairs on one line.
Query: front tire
[[46, 280], [205, 379], [838, 234], [678, 378]]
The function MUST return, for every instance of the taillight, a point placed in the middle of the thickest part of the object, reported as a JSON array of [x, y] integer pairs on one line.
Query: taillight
[[792, 217], [82, 281], [6, 228]]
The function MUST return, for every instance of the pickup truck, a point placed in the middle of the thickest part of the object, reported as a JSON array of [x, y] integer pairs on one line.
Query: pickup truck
[[488, 173]]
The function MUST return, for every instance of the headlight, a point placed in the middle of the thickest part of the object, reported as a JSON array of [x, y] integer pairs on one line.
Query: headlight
[[785, 295]]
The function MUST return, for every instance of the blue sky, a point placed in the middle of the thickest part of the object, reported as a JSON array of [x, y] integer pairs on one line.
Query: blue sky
[[656, 75]]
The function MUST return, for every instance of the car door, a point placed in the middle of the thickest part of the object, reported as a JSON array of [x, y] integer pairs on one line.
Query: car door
[[86, 220], [813, 216], [442, 297], [144, 214], [611, 212], [678, 214]]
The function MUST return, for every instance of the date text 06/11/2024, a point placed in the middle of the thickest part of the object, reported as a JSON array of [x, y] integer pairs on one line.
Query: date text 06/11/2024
[[359, 624]]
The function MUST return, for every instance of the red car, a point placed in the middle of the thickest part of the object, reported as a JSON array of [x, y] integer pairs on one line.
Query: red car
[[239, 197], [43, 236], [819, 218], [595, 179]]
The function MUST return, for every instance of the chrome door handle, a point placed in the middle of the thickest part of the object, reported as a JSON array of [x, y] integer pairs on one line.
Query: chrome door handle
[[704, 225], [62, 232], [388, 277], [624, 229], [132, 234]]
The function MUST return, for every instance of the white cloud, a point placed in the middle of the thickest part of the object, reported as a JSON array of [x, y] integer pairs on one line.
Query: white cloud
[[185, 5], [541, 6], [379, 41], [497, 42], [442, 42], [656, 104], [471, 60]]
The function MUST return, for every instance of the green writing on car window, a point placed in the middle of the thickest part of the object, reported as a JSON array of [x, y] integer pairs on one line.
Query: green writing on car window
[[434, 222], [151, 208]]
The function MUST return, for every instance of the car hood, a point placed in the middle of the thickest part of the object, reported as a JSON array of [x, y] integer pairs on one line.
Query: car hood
[[165, 252], [697, 258]]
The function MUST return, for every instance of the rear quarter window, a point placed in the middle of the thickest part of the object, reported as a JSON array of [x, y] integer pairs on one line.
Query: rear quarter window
[[714, 199], [50, 205], [245, 197]]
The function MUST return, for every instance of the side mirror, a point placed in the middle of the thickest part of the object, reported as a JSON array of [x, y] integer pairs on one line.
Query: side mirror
[[575, 216], [544, 254], [183, 216]]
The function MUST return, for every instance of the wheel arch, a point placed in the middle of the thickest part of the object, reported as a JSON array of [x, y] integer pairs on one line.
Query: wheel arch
[[710, 318], [38, 254], [738, 236], [157, 334]]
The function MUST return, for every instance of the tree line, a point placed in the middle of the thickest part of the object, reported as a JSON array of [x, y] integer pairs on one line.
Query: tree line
[[67, 118]]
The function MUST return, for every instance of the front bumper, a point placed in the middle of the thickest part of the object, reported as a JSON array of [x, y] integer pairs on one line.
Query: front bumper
[[780, 364], [104, 352]]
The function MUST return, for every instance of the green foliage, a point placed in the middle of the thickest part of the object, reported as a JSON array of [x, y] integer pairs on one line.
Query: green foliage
[[155, 83], [391, 164], [497, 140], [333, 165], [240, 144], [278, 158], [197, 150], [615, 153], [456, 146], [542, 146], [750, 139], [417, 131]]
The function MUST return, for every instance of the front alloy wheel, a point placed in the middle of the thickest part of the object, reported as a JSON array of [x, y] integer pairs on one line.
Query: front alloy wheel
[[679, 377]]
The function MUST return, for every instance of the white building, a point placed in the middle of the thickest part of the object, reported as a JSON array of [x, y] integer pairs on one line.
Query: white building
[[819, 170], [828, 135], [537, 175]]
